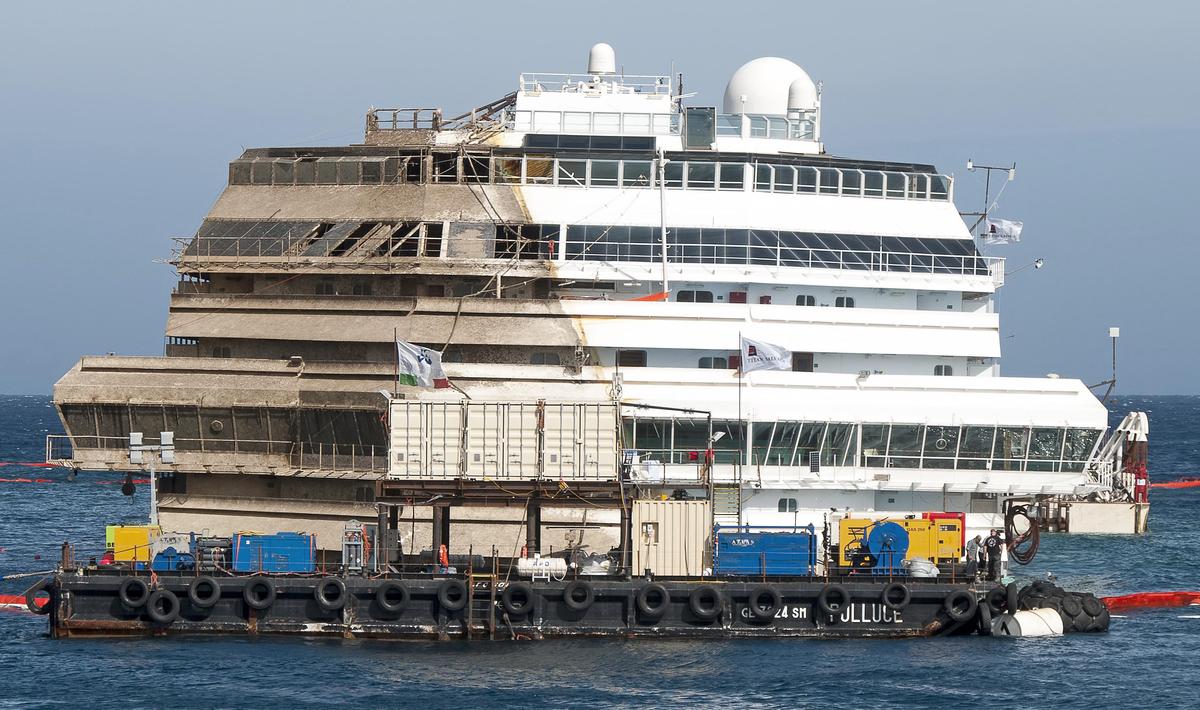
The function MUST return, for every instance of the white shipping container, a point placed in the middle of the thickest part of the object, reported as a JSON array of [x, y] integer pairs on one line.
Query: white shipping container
[[505, 440], [670, 537]]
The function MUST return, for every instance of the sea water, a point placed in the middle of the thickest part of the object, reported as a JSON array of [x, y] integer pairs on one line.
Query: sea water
[[1148, 659]]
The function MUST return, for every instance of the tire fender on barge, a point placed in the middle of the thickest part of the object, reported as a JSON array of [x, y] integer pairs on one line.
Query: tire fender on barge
[[517, 599], [259, 593], [330, 594], [133, 592], [652, 600], [833, 599], [392, 597], [204, 592], [706, 602], [452, 595], [765, 609], [162, 607], [572, 595]]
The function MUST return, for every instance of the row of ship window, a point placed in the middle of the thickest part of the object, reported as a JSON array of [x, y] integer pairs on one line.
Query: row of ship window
[[708, 175], [919, 446], [708, 245], [591, 172], [801, 300], [760, 246], [801, 362], [579, 125]]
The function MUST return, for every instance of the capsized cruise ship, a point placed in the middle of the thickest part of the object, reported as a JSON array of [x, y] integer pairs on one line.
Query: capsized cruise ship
[[587, 253]]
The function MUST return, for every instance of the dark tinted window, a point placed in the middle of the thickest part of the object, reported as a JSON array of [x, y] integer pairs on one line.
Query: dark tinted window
[[631, 358], [700, 131], [694, 296]]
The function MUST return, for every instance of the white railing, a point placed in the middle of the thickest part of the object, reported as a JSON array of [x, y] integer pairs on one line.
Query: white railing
[[578, 246], [590, 83], [192, 452], [58, 448], [779, 254], [396, 119], [1101, 473], [753, 125]]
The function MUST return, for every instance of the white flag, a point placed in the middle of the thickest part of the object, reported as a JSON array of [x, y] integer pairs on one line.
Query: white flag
[[1002, 231], [757, 355], [419, 367]]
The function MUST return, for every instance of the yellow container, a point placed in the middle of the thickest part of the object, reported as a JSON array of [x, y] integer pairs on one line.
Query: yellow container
[[939, 541], [130, 543]]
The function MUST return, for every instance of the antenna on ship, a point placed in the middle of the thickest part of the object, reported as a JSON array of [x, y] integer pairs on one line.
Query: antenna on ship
[[1114, 333], [988, 202], [662, 218]]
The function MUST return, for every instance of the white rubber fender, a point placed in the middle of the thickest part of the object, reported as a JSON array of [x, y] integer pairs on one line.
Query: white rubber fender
[[1035, 622]]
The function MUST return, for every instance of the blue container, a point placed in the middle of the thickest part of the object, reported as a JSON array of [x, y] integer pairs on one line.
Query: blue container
[[763, 550], [281, 552]]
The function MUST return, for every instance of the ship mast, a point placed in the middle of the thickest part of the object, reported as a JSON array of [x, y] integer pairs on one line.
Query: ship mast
[[662, 216]]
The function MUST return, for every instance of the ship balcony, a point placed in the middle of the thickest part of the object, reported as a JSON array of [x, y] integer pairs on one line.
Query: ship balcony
[[379, 246], [234, 455]]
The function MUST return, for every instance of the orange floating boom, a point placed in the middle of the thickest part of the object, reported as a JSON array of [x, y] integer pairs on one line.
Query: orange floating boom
[[12, 601], [1189, 483], [1151, 600]]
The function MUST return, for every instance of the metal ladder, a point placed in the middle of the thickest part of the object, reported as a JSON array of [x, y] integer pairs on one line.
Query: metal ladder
[[727, 504], [481, 603]]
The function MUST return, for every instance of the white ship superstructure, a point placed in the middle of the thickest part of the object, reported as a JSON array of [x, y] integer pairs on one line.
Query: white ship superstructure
[[592, 240]]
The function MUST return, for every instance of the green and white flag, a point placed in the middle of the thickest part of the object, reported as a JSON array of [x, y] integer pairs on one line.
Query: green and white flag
[[419, 367]]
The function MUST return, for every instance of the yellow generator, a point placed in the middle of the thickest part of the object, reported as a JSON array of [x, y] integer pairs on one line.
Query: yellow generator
[[938, 540], [130, 543]]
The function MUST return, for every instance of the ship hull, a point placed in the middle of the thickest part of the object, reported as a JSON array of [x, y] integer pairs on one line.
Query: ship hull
[[90, 605]]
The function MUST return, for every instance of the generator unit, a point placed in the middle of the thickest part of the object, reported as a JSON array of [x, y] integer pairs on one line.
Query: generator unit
[[938, 540], [131, 543]]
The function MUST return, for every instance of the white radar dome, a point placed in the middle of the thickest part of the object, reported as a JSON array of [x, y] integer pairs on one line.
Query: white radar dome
[[769, 85], [602, 60]]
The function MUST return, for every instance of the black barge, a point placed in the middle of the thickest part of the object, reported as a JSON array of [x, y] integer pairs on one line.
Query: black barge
[[115, 603]]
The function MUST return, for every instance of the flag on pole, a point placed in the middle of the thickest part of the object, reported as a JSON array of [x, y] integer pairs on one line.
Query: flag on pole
[[419, 367], [757, 355], [1002, 231]]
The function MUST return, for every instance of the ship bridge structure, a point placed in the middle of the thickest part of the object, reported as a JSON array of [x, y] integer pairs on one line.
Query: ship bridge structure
[[587, 240]]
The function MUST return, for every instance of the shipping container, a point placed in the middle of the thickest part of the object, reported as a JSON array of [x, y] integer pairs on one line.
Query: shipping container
[[281, 552], [761, 550], [670, 537], [510, 440]]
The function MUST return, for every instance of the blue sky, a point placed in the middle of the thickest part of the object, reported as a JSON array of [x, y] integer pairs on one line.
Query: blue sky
[[119, 119]]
